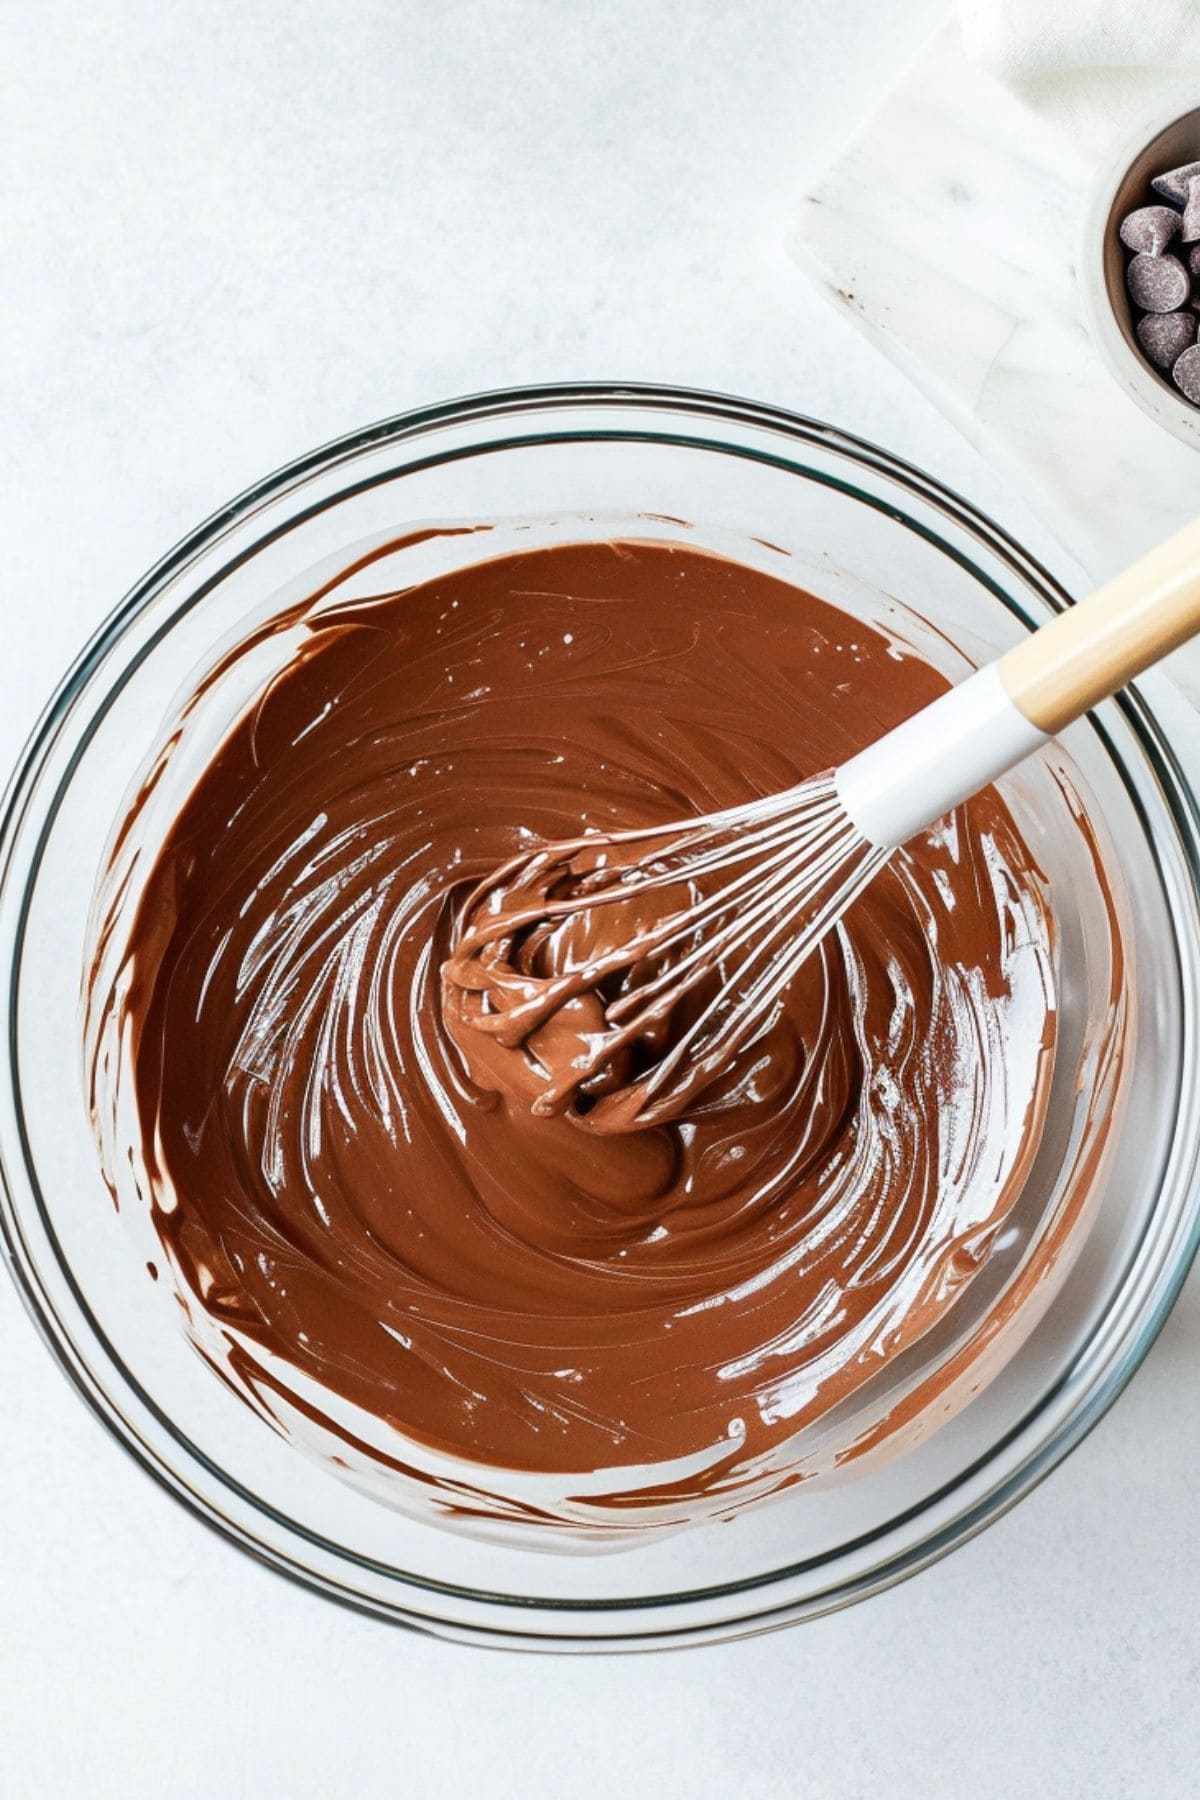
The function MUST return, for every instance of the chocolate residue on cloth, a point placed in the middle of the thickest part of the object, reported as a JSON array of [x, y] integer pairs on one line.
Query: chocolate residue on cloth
[[349, 1189]]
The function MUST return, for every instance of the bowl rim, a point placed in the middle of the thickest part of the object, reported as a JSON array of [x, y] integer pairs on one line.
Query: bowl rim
[[1068, 1431]]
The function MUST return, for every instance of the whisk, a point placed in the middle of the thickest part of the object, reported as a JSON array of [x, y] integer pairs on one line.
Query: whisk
[[633, 966]]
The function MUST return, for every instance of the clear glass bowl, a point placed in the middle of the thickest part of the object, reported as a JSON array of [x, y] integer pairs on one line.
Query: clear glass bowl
[[862, 529]]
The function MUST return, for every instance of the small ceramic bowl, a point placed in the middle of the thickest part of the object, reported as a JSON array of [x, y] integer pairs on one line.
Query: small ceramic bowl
[[1163, 143]]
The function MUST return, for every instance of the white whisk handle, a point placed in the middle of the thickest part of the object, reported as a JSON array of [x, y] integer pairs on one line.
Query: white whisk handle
[[910, 778]]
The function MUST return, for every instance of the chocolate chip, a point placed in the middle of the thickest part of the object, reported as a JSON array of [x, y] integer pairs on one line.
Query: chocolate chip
[[1174, 184], [1150, 229], [1164, 336], [1191, 212], [1194, 259], [1186, 374], [1157, 283]]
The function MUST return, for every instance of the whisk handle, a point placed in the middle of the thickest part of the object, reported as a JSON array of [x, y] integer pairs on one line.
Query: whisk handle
[[949, 750], [1085, 654], [924, 768]]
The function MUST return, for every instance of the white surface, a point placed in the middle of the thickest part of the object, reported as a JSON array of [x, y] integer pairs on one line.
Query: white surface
[[963, 269], [230, 231]]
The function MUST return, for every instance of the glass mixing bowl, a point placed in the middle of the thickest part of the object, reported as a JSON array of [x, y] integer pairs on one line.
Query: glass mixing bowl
[[884, 542]]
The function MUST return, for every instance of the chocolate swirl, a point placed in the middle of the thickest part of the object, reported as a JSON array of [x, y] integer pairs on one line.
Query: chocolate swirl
[[349, 1188]]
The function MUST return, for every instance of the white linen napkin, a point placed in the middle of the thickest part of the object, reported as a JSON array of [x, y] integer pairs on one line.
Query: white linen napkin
[[1088, 65], [962, 269], [1027, 40]]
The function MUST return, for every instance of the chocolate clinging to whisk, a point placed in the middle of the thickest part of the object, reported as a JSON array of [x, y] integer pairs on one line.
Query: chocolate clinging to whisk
[[646, 962]]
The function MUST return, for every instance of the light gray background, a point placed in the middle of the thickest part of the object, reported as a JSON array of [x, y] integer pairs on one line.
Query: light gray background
[[230, 230]]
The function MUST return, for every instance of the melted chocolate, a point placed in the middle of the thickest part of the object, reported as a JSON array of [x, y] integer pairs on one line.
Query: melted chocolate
[[349, 1182]]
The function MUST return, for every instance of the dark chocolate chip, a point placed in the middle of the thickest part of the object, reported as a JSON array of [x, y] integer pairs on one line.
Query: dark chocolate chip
[[1164, 336], [1157, 283], [1191, 212], [1194, 259], [1173, 186], [1186, 374], [1150, 228]]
